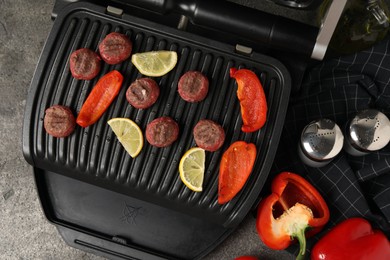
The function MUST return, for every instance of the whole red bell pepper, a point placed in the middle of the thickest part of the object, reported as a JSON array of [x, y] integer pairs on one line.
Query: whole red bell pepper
[[252, 99], [236, 165], [354, 239], [246, 257], [293, 207], [100, 98]]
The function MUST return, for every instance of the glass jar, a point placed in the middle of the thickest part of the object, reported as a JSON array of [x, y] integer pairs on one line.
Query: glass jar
[[362, 24]]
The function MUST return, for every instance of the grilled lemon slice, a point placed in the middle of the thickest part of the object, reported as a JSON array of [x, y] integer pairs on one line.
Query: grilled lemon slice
[[191, 168], [129, 135], [154, 63]]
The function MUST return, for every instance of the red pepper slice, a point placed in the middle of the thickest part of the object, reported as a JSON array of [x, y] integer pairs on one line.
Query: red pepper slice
[[100, 98], [252, 99], [236, 165], [355, 239], [293, 206]]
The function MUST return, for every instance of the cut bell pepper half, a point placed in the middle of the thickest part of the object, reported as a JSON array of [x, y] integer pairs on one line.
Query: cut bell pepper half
[[293, 208]]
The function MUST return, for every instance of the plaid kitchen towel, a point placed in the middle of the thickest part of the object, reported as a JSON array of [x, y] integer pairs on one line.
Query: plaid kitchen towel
[[337, 89]]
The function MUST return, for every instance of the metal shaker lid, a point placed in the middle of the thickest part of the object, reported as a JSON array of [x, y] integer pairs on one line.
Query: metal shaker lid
[[369, 130], [321, 139]]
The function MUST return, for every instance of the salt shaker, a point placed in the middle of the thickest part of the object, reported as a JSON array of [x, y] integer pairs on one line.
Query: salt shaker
[[368, 131], [320, 142]]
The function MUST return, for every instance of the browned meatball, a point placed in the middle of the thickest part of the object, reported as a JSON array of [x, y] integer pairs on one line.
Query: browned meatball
[[59, 121], [115, 48], [84, 64], [143, 93], [193, 86], [209, 135], [162, 131]]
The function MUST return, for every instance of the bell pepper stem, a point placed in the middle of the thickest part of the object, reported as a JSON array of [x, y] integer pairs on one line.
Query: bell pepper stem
[[300, 236]]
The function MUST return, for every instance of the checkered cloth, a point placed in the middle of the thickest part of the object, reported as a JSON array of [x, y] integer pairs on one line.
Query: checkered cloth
[[337, 89]]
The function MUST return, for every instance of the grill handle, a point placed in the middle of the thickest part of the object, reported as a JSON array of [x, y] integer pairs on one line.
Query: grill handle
[[275, 32]]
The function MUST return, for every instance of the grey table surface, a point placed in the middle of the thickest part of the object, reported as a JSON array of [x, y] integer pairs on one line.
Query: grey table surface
[[24, 231]]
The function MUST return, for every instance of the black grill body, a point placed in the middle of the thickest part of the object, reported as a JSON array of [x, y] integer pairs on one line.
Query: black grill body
[[100, 198]]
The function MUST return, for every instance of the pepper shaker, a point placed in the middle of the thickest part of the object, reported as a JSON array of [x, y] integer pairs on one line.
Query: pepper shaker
[[368, 131], [320, 142]]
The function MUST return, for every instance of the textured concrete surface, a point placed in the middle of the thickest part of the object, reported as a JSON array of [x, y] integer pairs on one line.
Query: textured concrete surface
[[24, 231]]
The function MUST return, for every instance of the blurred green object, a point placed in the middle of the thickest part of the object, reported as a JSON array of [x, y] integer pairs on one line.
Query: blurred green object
[[362, 24]]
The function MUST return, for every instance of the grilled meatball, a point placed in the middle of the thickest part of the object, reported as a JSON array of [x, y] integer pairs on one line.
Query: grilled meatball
[[59, 121], [209, 135], [115, 48], [162, 131], [193, 86], [143, 93], [84, 64]]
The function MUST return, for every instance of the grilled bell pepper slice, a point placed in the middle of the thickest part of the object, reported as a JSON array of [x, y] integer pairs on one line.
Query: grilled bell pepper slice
[[294, 206], [252, 99], [353, 238], [236, 165], [100, 98]]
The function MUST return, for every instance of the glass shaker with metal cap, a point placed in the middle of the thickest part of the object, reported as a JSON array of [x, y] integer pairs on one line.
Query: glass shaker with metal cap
[[320, 142], [368, 131]]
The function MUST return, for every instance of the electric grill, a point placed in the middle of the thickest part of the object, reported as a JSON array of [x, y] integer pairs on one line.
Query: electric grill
[[99, 198]]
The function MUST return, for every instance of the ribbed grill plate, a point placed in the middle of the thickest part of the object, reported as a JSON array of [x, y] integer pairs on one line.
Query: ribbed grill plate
[[95, 156]]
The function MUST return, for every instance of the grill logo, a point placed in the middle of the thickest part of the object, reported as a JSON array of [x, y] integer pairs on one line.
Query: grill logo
[[129, 213]]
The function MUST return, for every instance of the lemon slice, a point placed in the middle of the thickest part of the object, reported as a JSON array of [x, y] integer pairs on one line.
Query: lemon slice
[[129, 135], [154, 63], [191, 168]]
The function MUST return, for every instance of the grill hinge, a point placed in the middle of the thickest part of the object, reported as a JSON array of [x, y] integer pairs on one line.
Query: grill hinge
[[114, 11], [183, 22], [243, 49]]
